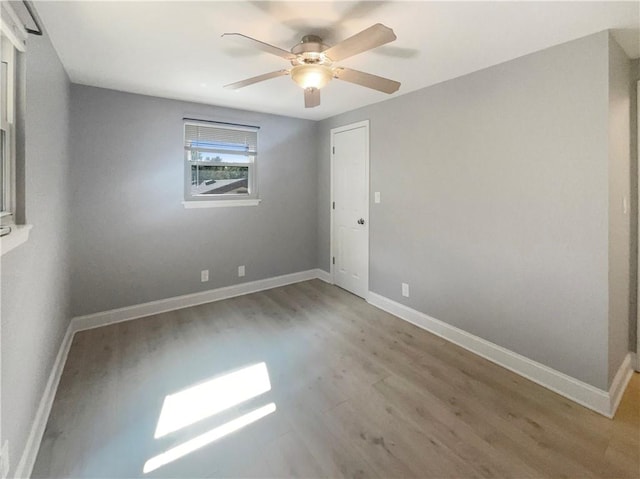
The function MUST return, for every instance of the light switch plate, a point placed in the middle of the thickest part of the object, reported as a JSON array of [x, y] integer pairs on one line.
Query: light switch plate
[[376, 197]]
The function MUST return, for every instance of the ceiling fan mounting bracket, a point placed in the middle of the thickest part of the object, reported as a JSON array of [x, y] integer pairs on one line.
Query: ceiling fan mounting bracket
[[310, 44], [311, 39]]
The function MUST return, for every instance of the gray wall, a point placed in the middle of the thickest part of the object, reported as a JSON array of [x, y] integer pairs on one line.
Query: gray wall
[[495, 204], [494, 200], [35, 276], [619, 185], [132, 239]]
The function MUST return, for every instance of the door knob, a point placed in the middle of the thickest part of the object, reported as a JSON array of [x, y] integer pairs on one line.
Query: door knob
[[361, 221]]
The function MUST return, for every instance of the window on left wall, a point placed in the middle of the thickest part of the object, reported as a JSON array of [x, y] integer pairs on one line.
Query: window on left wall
[[12, 46], [7, 131]]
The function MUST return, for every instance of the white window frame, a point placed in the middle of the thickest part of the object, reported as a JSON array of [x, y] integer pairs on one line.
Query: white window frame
[[13, 36], [224, 199], [7, 125]]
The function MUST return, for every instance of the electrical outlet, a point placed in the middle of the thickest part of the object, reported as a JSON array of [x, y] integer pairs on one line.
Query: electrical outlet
[[376, 197], [241, 271], [204, 275], [405, 290], [625, 206], [4, 460]]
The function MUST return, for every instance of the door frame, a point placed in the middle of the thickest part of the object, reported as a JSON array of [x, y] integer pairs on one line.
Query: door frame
[[334, 131], [637, 351]]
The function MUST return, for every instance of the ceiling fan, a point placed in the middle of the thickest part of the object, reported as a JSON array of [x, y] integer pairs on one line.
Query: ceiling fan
[[313, 62]]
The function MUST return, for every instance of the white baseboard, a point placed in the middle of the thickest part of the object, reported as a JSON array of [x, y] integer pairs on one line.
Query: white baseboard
[[127, 313], [324, 276], [603, 402], [81, 323], [28, 458], [620, 383]]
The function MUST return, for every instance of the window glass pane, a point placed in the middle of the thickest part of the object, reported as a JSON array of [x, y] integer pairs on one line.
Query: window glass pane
[[4, 85], [219, 179], [218, 157]]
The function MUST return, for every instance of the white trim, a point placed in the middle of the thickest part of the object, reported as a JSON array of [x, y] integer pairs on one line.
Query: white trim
[[8, 124], [12, 28], [324, 276], [603, 402], [619, 384], [81, 323], [19, 235], [636, 363], [221, 125], [331, 210], [30, 452], [221, 203], [127, 313], [351, 126]]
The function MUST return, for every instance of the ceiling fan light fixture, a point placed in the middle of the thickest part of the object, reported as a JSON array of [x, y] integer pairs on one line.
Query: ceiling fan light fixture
[[311, 76]]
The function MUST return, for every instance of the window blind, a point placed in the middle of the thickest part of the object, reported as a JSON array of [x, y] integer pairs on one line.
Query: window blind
[[221, 138]]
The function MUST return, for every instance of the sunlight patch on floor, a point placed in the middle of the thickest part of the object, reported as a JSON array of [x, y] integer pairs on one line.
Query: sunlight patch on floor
[[204, 400], [207, 438]]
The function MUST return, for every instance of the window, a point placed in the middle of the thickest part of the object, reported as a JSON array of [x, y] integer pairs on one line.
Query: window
[[220, 164], [7, 130], [13, 36]]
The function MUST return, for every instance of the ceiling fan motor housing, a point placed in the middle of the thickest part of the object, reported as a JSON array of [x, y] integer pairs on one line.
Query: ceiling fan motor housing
[[309, 51]]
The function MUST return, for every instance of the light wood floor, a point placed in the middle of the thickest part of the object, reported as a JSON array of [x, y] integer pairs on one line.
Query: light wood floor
[[358, 393]]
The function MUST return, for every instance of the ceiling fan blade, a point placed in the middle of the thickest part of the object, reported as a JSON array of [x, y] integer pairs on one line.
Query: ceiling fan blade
[[367, 80], [311, 97], [265, 47], [259, 78], [372, 37]]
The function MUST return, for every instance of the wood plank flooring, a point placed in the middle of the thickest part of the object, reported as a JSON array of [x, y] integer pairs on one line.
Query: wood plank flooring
[[358, 393]]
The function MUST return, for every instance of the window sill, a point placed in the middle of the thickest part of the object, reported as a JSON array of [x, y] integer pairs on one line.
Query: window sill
[[221, 203], [19, 235]]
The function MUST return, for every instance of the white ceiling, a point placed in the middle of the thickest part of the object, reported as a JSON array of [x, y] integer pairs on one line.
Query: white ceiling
[[174, 49]]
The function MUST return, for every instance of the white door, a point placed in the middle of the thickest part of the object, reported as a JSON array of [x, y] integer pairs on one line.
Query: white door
[[350, 207]]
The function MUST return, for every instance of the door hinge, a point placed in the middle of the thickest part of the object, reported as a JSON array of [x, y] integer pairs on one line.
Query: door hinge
[[334, 205], [334, 150], [334, 260]]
